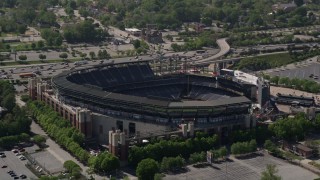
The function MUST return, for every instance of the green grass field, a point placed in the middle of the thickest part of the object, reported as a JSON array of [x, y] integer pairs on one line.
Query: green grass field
[[265, 62]]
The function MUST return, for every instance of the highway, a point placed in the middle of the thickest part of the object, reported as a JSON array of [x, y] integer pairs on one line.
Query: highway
[[224, 49]]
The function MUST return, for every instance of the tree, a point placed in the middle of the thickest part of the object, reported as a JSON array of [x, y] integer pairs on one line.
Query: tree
[[317, 122], [136, 44], [104, 162], [92, 54], [83, 12], [53, 38], [146, 169], [223, 152], [253, 145], [38, 139], [291, 128], [83, 55], [158, 176], [33, 45], [24, 137], [269, 145], [172, 163], [197, 157], [243, 147], [284, 81], [9, 102], [299, 2], [173, 148], [84, 32], [2, 58], [72, 168], [42, 57], [275, 80], [63, 56], [270, 173], [40, 44], [103, 54], [70, 165], [23, 57]]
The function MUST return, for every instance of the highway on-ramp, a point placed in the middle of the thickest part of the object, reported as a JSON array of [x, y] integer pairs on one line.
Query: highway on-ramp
[[224, 49]]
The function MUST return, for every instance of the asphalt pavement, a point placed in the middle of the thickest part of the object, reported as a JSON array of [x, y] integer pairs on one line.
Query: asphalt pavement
[[14, 164]]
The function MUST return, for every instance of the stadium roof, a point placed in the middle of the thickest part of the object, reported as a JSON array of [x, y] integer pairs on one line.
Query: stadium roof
[[87, 92], [222, 102]]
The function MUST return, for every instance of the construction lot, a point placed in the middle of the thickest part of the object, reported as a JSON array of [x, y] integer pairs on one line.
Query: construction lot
[[249, 169]]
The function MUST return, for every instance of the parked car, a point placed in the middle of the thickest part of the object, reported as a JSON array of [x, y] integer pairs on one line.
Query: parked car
[[15, 150], [22, 176], [22, 150], [3, 156]]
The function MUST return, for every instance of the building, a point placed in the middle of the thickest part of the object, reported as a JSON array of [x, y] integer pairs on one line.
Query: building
[[285, 7], [151, 34], [298, 149], [295, 100], [133, 31], [128, 99]]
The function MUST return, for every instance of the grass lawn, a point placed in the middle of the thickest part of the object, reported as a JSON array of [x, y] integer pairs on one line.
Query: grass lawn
[[265, 62], [292, 156], [315, 164]]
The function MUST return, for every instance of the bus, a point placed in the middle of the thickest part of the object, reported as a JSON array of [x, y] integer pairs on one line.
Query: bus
[[26, 75]]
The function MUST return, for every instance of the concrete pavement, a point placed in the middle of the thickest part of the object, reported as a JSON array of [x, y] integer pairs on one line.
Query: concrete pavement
[[224, 49], [53, 148]]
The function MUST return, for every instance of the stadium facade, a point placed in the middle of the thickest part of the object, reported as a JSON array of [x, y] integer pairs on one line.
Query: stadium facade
[[130, 98]]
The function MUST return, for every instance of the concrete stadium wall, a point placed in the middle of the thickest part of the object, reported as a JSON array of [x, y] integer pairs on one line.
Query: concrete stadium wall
[[108, 123]]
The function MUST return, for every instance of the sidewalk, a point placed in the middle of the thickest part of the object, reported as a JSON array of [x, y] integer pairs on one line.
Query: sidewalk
[[305, 163]]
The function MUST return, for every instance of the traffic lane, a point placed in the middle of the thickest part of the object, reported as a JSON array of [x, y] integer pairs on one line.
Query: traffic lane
[[54, 68], [16, 165], [95, 62]]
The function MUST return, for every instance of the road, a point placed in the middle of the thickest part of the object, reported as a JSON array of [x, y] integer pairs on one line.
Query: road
[[224, 49], [53, 148]]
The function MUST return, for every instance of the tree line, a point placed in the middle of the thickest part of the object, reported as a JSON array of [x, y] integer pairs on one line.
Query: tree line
[[295, 55], [295, 83], [14, 123], [69, 137], [173, 148], [162, 156]]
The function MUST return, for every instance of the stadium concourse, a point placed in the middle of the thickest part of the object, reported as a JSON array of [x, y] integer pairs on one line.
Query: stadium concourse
[[118, 102]]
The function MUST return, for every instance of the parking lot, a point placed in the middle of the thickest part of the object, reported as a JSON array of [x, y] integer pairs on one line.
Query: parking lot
[[46, 160], [13, 163], [248, 169], [304, 70]]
